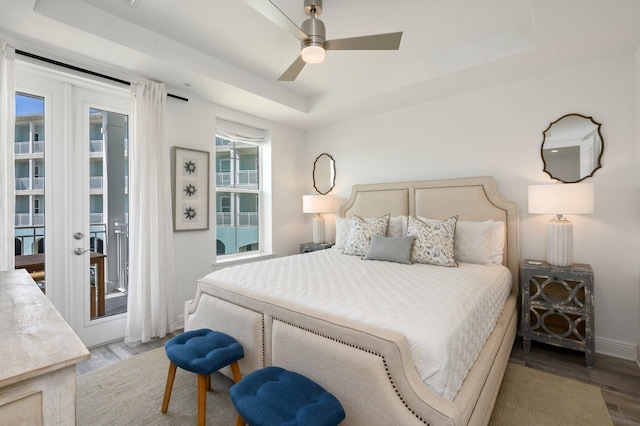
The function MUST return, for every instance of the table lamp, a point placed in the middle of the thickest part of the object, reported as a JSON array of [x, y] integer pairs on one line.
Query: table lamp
[[560, 199], [317, 204]]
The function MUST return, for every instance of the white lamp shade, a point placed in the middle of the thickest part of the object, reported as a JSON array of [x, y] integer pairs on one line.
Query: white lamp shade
[[317, 204], [572, 198]]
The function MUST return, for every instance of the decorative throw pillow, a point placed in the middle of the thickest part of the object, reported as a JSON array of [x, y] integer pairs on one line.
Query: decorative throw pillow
[[342, 231], [390, 249], [360, 232], [433, 244]]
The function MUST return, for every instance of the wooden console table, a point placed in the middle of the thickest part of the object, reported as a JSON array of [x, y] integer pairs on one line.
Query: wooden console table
[[35, 263], [39, 352]]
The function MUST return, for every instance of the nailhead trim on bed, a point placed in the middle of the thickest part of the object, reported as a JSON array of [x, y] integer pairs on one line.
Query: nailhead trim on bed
[[264, 355], [384, 361]]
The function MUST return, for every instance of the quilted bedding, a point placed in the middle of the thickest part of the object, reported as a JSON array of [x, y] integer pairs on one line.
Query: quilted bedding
[[446, 314]]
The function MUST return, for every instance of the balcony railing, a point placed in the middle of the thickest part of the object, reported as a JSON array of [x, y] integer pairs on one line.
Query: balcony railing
[[28, 147], [244, 219], [29, 183], [23, 184], [96, 182], [29, 219], [96, 145], [242, 178], [96, 217], [29, 237]]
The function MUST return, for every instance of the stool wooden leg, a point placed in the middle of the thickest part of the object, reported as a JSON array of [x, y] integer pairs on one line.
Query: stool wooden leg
[[167, 390], [235, 370], [202, 399]]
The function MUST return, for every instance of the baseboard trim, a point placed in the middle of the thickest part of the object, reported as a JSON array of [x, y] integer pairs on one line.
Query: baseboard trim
[[618, 349]]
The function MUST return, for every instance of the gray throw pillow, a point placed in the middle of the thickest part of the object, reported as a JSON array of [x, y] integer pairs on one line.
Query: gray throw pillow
[[390, 249]]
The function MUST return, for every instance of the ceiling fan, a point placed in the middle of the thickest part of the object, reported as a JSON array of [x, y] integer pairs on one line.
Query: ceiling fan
[[313, 39]]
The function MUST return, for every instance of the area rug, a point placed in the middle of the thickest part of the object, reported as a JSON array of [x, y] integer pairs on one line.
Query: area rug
[[530, 397], [130, 393]]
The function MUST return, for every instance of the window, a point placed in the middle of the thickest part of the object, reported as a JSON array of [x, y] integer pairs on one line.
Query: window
[[238, 187]]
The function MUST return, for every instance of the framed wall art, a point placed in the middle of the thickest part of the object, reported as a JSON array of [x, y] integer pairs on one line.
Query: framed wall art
[[190, 189]]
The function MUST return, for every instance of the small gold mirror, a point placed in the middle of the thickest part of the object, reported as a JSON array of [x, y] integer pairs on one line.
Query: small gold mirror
[[324, 174], [572, 148]]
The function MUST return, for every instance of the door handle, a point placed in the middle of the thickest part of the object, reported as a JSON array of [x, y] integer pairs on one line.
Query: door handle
[[79, 251]]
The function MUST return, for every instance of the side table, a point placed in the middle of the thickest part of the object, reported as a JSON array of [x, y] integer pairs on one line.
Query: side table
[[309, 247], [558, 307]]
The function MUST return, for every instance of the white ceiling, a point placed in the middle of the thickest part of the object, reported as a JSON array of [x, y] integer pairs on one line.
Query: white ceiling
[[226, 52]]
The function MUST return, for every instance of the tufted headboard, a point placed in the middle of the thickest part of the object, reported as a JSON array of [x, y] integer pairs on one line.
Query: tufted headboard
[[472, 199]]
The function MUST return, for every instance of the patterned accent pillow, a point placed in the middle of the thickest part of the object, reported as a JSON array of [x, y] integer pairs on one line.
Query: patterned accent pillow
[[433, 243], [360, 232]]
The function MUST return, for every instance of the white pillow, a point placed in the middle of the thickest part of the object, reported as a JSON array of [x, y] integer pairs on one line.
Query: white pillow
[[360, 232], [496, 242], [342, 232], [472, 243], [397, 227]]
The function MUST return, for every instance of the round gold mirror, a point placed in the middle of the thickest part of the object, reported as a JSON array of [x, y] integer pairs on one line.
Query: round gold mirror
[[324, 174], [572, 148]]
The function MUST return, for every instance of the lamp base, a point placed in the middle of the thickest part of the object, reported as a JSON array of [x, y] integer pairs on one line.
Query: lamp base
[[560, 243], [318, 229]]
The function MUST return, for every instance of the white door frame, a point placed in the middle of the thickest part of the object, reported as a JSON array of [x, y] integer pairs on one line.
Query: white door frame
[[67, 190]]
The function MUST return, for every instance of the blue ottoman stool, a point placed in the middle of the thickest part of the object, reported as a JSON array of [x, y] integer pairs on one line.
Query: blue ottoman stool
[[202, 352], [275, 396]]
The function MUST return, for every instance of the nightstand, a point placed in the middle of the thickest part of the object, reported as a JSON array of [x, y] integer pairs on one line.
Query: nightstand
[[557, 306], [308, 247]]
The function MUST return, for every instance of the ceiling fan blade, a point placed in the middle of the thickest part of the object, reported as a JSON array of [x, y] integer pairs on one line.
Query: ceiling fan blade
[[275, 15], [390, 41], [294, 69]]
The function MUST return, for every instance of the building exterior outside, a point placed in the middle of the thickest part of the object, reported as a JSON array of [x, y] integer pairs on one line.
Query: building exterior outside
[[237, 196], [108, 198], [30, 177]]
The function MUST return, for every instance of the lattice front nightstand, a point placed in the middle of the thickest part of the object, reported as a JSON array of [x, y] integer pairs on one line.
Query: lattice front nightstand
[[557, 306]]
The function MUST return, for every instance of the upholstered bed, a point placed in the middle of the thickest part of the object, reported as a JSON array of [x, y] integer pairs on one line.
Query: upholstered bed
[[349, 323]]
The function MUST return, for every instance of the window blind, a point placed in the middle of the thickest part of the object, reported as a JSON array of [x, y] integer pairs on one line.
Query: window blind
[[239, 132]]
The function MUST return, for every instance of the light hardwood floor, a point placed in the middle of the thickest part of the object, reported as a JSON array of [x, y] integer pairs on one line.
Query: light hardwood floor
[[618, 379]]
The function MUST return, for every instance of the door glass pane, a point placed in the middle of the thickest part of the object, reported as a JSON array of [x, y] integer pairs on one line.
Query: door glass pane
[[29, 233], [108, 212]]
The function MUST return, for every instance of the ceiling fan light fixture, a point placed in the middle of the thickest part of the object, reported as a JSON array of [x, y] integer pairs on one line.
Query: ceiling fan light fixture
[[313, 53]]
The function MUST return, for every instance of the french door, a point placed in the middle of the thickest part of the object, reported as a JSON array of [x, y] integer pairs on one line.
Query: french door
[[84, 202]]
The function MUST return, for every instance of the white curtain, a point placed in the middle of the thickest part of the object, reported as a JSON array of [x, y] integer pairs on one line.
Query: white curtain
[[7, 176], [152, 309]]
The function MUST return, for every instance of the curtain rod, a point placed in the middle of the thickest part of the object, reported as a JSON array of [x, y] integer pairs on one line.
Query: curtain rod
[[86, 71]]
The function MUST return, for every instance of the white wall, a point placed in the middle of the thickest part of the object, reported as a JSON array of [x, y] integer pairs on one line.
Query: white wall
[[498, 131], [192, 125]]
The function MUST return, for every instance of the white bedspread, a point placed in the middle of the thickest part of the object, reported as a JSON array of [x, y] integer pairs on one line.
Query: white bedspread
[[446, 314]]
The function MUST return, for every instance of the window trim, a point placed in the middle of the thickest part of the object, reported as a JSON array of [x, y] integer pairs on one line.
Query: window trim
[[259, 138]]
